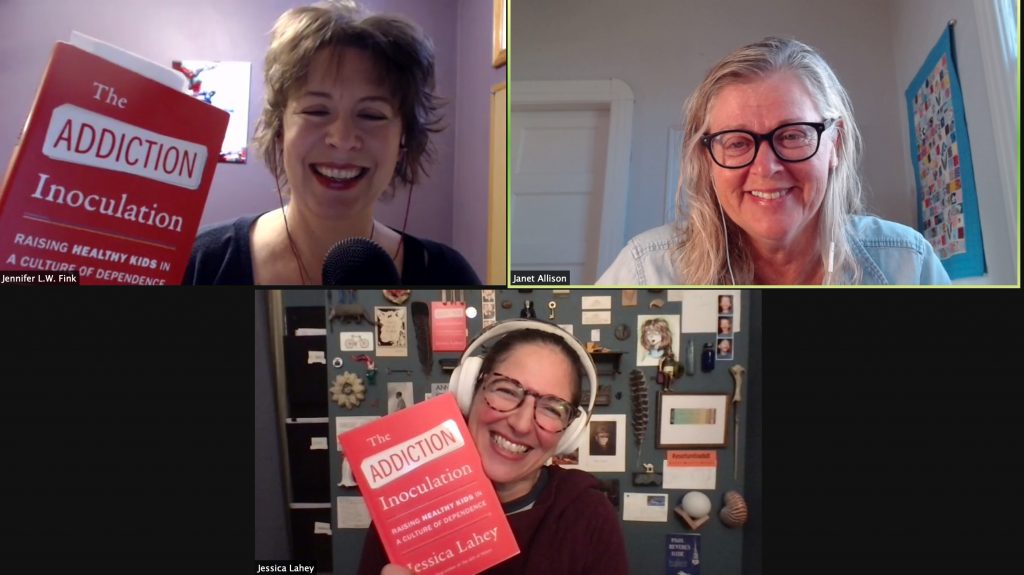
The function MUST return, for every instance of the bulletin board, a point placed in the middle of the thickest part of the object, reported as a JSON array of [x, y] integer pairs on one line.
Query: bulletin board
[[612, 320]]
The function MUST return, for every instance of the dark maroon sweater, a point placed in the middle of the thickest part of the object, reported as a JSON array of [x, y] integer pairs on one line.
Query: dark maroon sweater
[[571, 529]]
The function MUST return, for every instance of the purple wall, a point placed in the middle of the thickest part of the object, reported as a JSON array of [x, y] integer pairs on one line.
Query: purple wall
[[472, 134], [237, 30]]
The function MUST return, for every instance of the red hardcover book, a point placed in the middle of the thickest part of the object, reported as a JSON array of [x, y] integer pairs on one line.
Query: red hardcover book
[[424, 485], [448, 331], [111, 175]]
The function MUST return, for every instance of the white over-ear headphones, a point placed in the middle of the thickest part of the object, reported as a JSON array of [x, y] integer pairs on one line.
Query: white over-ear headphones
[[464, 378]]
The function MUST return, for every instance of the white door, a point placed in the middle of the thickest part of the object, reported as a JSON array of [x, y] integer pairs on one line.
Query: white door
[[557, 180]]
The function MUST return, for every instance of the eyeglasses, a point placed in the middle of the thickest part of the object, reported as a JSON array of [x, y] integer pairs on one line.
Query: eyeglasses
[[504, 394], [795, 142]]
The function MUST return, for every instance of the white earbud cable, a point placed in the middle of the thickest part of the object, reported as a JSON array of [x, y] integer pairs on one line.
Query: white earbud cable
[[831, 261], [725, 233]]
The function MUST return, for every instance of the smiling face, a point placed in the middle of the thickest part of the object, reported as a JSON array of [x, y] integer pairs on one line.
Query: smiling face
[[341, 135], [724, 325], [653, 338], [776, 203], [511, 446]]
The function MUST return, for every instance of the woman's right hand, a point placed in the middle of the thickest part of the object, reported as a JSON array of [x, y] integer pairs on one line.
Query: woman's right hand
[[394, 569]]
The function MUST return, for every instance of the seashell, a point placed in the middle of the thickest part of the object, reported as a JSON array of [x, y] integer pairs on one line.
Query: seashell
[[734, 512]]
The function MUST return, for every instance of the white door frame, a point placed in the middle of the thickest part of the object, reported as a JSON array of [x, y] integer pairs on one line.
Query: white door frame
[[617, 97]]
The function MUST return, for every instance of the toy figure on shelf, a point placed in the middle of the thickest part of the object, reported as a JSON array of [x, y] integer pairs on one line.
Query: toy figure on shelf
[[528, 312], [371, 370], [669, 370]]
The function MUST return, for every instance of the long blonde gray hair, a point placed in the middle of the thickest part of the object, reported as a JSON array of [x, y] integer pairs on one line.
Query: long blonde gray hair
[[700, 255]]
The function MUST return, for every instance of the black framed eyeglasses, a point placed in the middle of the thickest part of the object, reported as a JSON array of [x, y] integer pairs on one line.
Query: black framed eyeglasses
[[794, 142], [504, 394]]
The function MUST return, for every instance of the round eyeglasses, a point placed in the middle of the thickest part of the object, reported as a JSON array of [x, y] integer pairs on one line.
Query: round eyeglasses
[[794, 142], [504, 394]]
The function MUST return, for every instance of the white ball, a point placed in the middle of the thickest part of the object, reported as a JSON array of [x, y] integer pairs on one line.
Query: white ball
[[696, 504]]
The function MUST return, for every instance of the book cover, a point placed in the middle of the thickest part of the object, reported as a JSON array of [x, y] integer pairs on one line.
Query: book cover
[[682, 554], [424, 485], [111, 174]]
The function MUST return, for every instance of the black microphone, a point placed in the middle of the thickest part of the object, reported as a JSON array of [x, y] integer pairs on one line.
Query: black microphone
[[359, 262]]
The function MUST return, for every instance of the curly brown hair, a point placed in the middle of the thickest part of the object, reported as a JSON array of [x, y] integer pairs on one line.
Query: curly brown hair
[[402, 53], [660, 327]]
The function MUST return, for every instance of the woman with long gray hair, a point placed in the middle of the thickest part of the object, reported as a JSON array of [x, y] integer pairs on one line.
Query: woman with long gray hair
[[769, 189]]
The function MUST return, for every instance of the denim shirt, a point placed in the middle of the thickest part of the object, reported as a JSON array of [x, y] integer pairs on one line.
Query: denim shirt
[[888, 254]]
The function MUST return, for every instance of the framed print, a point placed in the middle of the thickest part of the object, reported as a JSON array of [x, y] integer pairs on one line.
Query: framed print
[[605, 446], [657, 337], [392, 332], [499, 38], [688, 420]]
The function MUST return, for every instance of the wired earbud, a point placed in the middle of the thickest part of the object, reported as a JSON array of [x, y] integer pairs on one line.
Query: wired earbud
[[725, 233], [831, 262]]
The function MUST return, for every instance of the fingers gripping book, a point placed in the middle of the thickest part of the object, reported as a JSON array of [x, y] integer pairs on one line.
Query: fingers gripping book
[[112, 171], [424, 485]]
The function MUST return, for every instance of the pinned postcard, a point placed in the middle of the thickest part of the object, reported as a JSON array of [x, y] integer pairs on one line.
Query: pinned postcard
[[645, 507], [596, 318], [690, 470], [352, 513], [596, 302], [356, 340]]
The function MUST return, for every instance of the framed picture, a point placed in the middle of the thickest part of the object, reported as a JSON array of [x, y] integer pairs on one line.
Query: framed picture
[[687, 420], [657, 338], [499, 37]]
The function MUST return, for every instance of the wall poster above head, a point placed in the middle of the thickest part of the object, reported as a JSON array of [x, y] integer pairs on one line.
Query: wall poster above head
[[226, 86]]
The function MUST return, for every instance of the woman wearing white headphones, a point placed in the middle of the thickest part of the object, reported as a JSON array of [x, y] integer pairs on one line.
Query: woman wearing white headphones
[[522, 402]]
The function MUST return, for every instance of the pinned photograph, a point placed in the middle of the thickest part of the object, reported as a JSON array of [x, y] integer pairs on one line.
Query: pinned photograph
[[725, 304], [604, 448], [724, 348], [602, 438], [724, 326], [399, 396]]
